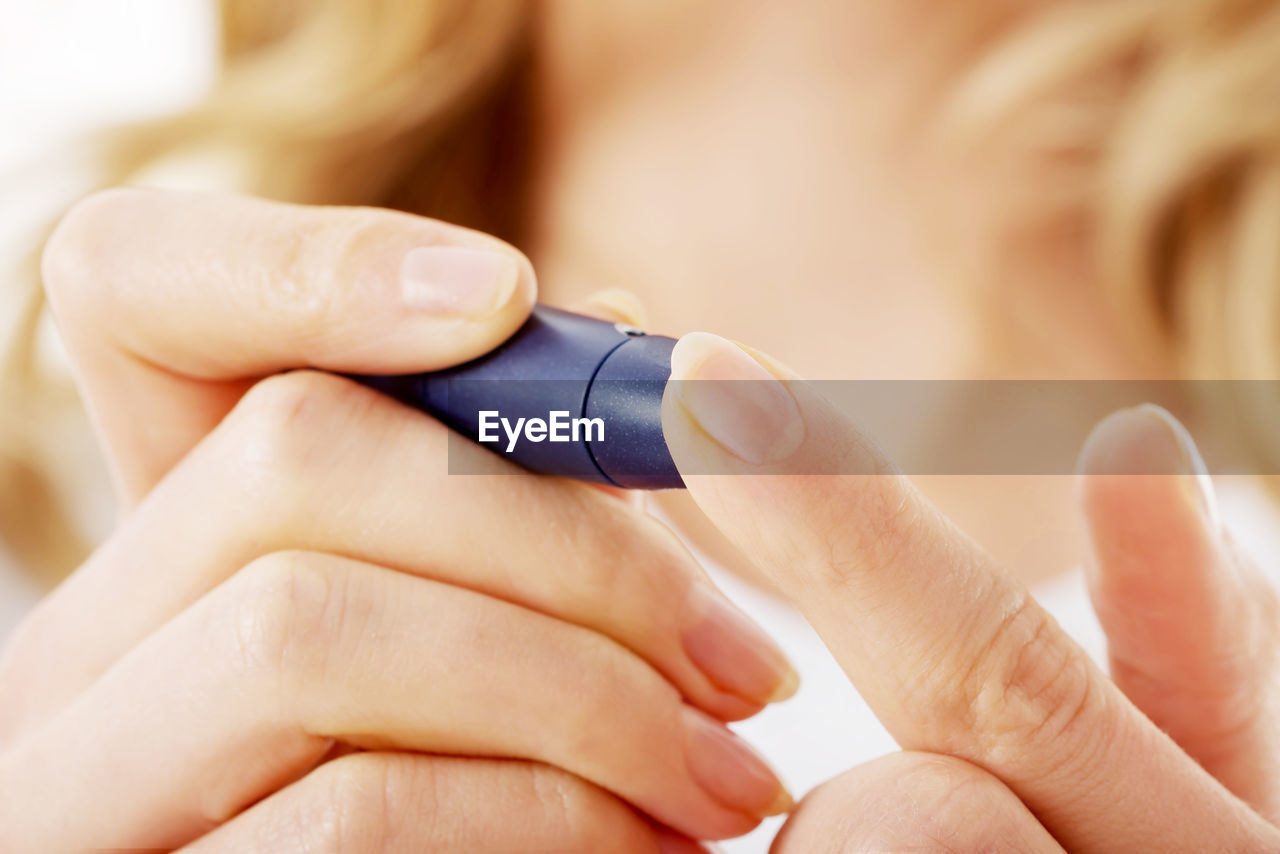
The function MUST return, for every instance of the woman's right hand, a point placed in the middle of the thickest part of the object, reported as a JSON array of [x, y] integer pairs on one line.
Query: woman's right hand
[[305, 635]]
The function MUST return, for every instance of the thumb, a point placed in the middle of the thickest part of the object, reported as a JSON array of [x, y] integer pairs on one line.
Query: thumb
[[172, 304], [1190, 623]]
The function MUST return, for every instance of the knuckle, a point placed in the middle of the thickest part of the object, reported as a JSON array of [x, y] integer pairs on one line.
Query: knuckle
[[77, 253], [911, 802], [1028, 684], [355, 805], [286, 422], [563, 805], [304, 287], [278, 403], [287, 610], [570, 815], [319, 260]]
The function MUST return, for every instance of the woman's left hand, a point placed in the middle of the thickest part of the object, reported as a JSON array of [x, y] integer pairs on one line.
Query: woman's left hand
[[1013, 739]]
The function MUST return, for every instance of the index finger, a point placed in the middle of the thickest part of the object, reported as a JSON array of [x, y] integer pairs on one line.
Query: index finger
[[948, 649], [172, 304]]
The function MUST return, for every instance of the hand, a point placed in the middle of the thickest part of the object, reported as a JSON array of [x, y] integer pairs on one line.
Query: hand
[[304, 636], [1014, 740]]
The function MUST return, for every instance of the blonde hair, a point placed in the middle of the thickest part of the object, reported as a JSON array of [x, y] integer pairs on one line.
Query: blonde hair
[[1165, 112], [1161, 124]]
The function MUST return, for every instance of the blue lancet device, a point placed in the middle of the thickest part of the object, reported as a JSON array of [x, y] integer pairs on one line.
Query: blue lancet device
[[595, 386]]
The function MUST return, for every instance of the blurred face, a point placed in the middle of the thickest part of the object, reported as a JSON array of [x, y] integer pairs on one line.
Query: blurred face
[[750, 169], [757, 170], [733, 176]]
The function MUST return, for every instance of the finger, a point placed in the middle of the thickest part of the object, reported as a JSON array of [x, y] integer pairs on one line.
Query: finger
[[170, 301], [616, 304], [249, 688], [920, 802], [315, 462], [396, 802], [1191, 624], [949, 649]]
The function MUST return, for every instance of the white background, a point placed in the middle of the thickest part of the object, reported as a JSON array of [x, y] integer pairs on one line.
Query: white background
[[69, 68]]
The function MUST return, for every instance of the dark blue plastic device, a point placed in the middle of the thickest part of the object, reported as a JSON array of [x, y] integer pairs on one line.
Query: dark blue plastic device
[[563, 362]]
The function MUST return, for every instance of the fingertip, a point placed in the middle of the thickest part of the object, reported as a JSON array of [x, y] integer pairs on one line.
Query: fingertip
[[729, 770], [735, 400], [787, 688], [734, 653], [1145, 440], [1159, 563], [615, 304]]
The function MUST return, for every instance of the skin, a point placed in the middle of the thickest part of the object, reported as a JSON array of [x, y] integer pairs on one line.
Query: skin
[[793, 130], [1019, 740], [284, 590], [305, 636]]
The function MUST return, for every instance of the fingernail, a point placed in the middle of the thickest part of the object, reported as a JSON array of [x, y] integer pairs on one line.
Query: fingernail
[[730, 771], [735, 400], [734, 653], [1147, 439], [457, 280]]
